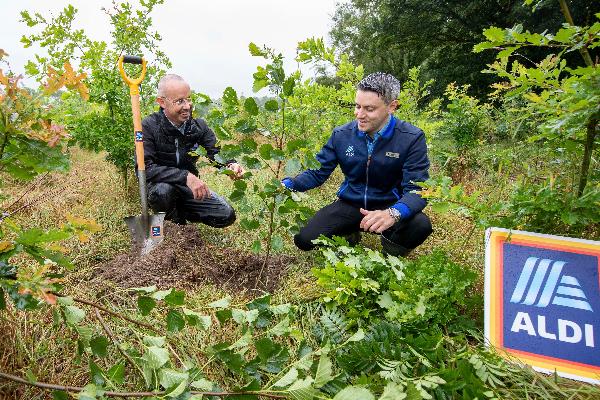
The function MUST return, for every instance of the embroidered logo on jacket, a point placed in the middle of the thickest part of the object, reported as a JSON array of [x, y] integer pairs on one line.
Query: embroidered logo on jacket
[[393, 155], [350, 151]]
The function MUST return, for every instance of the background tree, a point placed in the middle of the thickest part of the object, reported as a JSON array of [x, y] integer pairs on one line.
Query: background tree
[[393, 36], [105, 123]]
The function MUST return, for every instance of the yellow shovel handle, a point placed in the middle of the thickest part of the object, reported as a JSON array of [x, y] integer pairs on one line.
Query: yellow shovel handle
[[134, 92]]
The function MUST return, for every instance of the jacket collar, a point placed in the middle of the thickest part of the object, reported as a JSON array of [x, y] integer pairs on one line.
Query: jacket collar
[[385, 133]]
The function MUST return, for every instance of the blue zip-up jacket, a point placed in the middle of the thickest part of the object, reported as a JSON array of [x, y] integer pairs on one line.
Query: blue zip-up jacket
[[384, 179]]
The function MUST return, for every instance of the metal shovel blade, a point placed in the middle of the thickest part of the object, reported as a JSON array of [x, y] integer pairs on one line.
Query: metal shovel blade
[[146, 236]]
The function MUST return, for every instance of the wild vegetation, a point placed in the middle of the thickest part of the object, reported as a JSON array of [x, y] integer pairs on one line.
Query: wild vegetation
[[343, 322]]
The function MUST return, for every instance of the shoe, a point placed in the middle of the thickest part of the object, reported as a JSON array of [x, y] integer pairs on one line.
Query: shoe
[[393, 249], [352, 238]]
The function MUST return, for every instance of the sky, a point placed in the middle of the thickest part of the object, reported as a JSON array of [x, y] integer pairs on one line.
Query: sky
[[206, 41]]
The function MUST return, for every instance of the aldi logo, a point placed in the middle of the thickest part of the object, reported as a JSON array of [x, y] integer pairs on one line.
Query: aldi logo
[[542, 296]]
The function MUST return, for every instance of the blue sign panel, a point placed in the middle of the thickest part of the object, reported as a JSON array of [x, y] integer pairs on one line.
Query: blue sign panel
[[548, 304]]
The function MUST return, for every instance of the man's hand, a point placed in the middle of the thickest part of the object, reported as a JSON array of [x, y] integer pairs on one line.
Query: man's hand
[[376, 221], [197, 186], [237, 169]]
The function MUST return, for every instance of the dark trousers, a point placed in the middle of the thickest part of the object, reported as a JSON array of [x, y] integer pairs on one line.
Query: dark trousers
[[340, 218], [178, 202]]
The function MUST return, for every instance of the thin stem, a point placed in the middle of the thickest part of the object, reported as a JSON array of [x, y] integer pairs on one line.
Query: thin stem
[[78, 389], [114, 314], [116, 342], [592, 127], [564, 7]]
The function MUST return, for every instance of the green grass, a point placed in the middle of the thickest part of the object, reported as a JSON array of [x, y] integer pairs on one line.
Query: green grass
[[93, 189]]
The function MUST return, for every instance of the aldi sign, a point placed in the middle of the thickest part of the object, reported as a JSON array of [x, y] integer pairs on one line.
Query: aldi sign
[[542, 301]]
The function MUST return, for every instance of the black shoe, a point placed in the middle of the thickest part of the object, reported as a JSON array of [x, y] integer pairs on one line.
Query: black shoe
[[353, 238], [393, 249]]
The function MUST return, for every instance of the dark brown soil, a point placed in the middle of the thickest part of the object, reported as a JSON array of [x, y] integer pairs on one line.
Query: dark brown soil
[[184, 260]]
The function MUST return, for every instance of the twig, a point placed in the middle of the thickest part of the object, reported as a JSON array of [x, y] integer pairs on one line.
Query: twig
[[77, 389], [114, 314], [116, 342]]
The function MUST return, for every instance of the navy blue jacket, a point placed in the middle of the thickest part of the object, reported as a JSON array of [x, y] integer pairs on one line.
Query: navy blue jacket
[[398, 159]]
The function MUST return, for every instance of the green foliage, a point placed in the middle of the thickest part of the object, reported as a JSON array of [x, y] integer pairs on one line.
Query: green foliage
[[365, 284], [566, 97], [105, 124], [396, 35]]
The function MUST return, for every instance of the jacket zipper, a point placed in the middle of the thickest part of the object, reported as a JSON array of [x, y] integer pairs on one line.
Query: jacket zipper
[[177, 151], [367, 180]]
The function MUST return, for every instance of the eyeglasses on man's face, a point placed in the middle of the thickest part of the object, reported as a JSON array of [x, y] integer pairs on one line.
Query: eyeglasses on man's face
[[180, 102]]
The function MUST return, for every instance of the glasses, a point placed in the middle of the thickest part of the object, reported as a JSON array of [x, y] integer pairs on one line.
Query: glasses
[[180, 102]]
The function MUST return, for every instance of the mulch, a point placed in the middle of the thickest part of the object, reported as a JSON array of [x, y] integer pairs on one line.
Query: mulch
[[185, 260]]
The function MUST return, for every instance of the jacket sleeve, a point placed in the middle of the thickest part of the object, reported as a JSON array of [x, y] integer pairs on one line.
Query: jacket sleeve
[[155, 172], [415, 169], [313, 178]]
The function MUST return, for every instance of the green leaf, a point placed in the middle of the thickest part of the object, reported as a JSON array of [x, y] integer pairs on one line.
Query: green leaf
[[73, 315], [249, 224], [96, 374], [158, 341], [265, 151], [393, 391], [194, 319], [288, 86], [324, 371], [59, 395], [155, 357], [175, 298], [161, 294], [255, 50], [252, 162], [202, 384], [272, 105], [277, 243], [292, 167], [290, 377], [175, 321], [99, 344], [146, 289], [302, 389], [173, 381], [256, 247], [230, 98], [145, 304], [250, 106], [222, 303], [245, 126], [117, 374], [90, 392], [354, 393]]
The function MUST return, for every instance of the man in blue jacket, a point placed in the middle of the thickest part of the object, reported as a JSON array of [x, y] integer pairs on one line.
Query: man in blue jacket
[[382, 158]]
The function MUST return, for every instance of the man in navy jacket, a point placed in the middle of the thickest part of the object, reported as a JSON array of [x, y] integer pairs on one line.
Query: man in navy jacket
[[382, 158]]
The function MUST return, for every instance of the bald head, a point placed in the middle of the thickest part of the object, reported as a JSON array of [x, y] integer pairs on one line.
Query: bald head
[[167, 81], [174, 98]]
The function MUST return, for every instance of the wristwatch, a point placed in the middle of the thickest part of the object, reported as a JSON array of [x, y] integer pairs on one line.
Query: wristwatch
[[395, 214]]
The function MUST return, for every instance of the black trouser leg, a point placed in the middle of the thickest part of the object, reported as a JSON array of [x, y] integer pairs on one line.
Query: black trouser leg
[[340, 218], [411, 232], [336, 219], [178, 202]]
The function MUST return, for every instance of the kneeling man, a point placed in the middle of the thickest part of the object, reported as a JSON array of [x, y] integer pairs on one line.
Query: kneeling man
[[171, 136], [382, 158]]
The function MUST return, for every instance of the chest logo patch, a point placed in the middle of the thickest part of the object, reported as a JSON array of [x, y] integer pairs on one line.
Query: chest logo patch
[[350, 151], [393, 155]]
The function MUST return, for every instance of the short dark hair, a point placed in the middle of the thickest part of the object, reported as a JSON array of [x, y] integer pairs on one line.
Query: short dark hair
[[384, 84]]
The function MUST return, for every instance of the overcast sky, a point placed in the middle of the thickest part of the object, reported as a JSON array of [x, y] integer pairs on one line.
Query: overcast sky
[[206, 41]]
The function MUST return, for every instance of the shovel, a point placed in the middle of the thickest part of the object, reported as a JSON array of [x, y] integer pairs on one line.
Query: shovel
[[146, 230]]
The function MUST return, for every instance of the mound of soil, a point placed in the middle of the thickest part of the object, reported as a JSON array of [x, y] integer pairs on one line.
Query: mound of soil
[[184, 260]]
